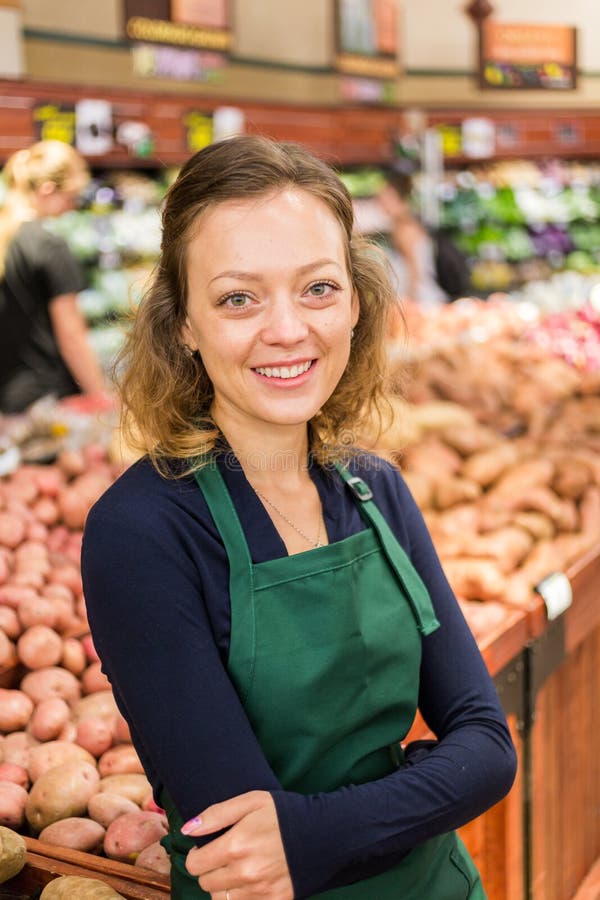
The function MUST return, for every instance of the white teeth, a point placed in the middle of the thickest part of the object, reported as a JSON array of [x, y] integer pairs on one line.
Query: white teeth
[[284, 371]]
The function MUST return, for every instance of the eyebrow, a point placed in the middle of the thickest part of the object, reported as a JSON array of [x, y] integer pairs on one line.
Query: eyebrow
[[254, 276]]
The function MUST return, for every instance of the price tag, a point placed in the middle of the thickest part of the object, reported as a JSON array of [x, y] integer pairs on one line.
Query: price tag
[[556, 592]]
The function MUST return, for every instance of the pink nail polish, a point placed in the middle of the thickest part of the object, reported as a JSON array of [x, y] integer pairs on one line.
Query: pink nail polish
[[189, 826]]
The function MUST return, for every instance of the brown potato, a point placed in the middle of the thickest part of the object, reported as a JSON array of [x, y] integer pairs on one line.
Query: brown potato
[[135, 787], [61, 792], [13, 854], [101, 704], [55, 753], [67, 887]]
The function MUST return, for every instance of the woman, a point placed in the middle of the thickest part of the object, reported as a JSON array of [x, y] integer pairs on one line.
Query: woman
[[266, 603], [44, 348]]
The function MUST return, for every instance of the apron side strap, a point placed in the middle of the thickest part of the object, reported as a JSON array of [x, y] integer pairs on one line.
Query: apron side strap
[[410, 580]]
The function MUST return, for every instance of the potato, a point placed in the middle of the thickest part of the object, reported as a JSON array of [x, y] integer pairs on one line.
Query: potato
[[13, 854], [94, 680], [130, 833], [49, 718], [37, 611], [95, 735], [15, 709], [8, 653], [73, 656], [68, 887], [155, 858], [135, 787], [13, 798], [105, 808], [101, 704], [121, 730], [12, 529], [16, 748], [39, 647], [16, 774], [61, 792], [51, 681], [9, 622], [75, 832], [121, 760], [55, 753]]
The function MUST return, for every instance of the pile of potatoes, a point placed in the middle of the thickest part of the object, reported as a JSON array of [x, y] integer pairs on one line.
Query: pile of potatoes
[[69, 774], [499, 442]]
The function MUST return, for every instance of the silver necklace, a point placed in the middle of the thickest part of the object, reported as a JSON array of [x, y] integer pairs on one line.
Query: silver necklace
[[308, 540]]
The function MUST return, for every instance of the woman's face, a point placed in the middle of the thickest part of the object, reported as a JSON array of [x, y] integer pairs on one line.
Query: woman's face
[[270, 307]]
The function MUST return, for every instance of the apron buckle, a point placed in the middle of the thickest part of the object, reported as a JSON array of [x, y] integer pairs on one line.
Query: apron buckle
[[360, 488]]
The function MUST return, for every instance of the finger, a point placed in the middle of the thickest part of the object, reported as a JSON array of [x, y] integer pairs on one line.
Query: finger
[[223, 815], [202, 860]]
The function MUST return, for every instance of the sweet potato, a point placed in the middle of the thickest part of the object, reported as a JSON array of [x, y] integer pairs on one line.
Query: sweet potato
[[74, 832], [450, 490], [486, 466], [13, 798], [61, 792], [127, 835], [475, 579], [523, 475], [105, 808], [55, 753]]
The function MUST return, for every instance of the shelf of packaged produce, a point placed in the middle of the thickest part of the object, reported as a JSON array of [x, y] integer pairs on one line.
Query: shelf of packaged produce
[[44, 863]]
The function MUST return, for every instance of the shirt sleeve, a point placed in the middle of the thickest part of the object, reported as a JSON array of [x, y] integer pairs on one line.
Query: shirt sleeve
[[331, 837], [59, 269]]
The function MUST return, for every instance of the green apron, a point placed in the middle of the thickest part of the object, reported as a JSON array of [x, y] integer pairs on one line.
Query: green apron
[[325, 651]]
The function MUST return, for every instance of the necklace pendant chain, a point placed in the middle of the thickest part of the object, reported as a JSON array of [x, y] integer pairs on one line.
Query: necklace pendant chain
[[308, 540]]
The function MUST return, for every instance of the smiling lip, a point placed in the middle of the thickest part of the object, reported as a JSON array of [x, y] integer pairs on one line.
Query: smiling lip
[[292, 372]]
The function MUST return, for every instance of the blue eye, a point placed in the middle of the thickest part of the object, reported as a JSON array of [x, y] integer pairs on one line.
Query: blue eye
[[322, 288], [235, 301]]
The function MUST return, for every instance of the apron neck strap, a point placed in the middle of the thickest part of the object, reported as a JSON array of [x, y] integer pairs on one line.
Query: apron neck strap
[[415, 591]]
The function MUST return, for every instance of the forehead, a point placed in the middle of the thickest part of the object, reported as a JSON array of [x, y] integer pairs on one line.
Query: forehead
[[291, 219]]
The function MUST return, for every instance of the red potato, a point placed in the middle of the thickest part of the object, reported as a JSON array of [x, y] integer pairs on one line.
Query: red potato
[[120, 760], [105, 808], [88, 646], [31, 549], [57, 538], [75, 833], [67, 574], [14, 594], [57, 591], [130, 833], [36, 611], [13, 798], [68, 733], [73, 656], [4, 569], [149, 804], [49, 718], [73, 507], [51, 682], [9, 622], [17, 774], [48, 756], [66, 618], [71, 463], [8, 655], [94, 680], [16, 748], [27, 578], [45, 510], [155, 858], [94, 455], [39, 647], [121, 730], [12, 529], [15, 710], [95, 735], [36, 531], [49, 480], [61, 792]]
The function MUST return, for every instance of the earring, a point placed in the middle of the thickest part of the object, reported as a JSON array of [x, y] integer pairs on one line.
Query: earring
[[188, 351], [351, 333]]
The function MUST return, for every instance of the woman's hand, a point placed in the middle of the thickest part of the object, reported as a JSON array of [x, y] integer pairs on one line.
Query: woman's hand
[[248, 861]]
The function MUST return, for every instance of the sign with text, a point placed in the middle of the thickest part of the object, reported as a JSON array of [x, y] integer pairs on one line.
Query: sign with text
[[199, 24], [516, 56], [367, 38], [55, 122]]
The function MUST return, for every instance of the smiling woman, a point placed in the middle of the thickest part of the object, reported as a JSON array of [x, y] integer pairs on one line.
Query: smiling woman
[[274, 612]]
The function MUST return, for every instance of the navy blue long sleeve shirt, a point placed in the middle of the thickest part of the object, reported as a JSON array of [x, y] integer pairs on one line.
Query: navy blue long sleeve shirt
[[156, 575]]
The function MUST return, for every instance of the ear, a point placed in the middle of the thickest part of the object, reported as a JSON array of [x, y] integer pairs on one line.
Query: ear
[[47, 188], [355, 308], [186, 336]]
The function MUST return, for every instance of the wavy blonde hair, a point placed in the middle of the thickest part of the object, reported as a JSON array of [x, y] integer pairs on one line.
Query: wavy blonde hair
[[166, 393], [25, 172]]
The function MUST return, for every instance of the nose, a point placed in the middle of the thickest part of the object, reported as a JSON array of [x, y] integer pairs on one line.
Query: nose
[[285, 324]]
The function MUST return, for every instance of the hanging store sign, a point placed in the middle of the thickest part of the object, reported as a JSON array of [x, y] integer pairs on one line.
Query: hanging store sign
[[527, 56], [55, 122], [198, 24], [176, 63], [367, 38]]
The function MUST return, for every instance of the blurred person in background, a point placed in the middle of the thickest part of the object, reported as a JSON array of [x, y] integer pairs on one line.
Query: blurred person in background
[[428, 268], [44, 342]]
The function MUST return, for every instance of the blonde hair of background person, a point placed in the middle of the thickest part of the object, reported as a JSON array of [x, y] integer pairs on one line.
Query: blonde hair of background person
[[165, 391], [44, 181]]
